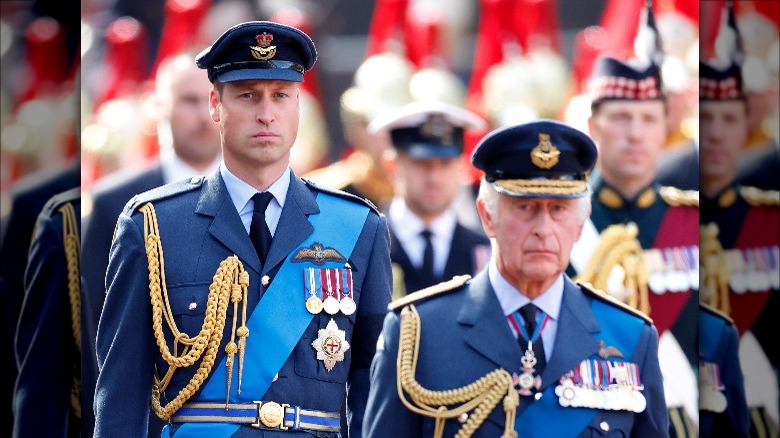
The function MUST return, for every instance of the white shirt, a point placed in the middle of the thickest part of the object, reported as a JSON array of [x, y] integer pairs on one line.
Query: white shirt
[[241, 194], [407, 226], [176, 169], [511, 300]]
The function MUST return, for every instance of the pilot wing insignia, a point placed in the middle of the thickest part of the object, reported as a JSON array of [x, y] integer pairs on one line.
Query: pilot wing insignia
[[317, 254], [607, 352]]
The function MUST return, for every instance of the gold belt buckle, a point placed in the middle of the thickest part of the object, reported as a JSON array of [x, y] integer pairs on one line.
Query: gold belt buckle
[[270, 414]]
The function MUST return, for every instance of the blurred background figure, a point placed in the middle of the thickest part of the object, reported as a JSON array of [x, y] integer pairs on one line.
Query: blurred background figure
[[740, 224], [189, 146], [428, 243], [38, 144], [55, 363], [722, 406], [641, 240]]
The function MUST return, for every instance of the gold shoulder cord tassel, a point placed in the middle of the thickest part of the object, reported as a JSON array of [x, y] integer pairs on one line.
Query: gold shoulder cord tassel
[[70, 235], [482, 396], [618, 249], [227, 285], [715, 269]]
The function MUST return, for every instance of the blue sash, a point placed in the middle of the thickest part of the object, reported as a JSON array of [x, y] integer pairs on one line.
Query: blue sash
[[546, 417], [278, 321]]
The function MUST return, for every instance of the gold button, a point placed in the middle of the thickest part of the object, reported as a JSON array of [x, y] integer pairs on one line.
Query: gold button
[[193, 305], [265, 281], [604, 426]]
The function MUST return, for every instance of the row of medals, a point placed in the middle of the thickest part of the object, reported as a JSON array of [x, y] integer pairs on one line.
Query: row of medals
[[330, 305], [674, 269], [753, 269], [711, 396]]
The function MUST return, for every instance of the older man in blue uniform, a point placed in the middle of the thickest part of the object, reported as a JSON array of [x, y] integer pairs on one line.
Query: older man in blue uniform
[[245, 303], [428, 242], [520, 348]]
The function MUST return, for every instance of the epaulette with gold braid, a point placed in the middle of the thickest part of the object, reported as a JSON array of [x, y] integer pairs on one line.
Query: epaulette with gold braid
[[716, 312], [445, 286], [677, 197], [758, 197], [603, 296]]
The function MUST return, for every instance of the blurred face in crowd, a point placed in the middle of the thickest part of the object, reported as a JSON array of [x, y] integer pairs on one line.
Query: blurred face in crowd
[[428, 186], [195, 137], [629, 135], [258, 121], [532, 237], [723, 130]]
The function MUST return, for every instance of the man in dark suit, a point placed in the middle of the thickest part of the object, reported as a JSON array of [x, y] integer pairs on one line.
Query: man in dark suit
[[520, 348], [54, 361], [190, 147], [428, 242], [268, 299]]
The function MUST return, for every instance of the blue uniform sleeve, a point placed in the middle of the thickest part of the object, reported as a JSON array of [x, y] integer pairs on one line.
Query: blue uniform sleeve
[[654, 420], [45, 348], [386, 416], [376, 292]]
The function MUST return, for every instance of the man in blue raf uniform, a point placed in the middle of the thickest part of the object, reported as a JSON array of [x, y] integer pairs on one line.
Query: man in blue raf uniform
[[723, 408], [57, 367], [428, 242], [520, 348], [268, 299]]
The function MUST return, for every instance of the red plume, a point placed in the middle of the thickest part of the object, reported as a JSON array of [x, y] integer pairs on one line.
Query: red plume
[[297, 18], [126, 42], [45, 58], [183, 19], [536, 24], [387, 25]]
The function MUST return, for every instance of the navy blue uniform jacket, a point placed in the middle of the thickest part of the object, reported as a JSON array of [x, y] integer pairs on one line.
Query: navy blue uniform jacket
[[464, 335], [199, 227]]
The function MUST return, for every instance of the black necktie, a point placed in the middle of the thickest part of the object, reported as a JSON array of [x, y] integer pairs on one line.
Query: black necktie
[[426, 270], [258, 230], [529, 315]]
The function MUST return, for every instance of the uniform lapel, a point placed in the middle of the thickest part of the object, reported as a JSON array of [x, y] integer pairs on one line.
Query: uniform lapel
[[487, 329], [294, 226], [227, 226], [574, 340]]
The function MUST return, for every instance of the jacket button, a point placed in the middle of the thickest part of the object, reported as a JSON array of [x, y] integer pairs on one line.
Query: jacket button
[[604, 426], [193, 305]]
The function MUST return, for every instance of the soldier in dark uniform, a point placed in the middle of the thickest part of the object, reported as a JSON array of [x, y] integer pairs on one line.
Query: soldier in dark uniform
[[680, 167], [28, 197], [428, 242], [654, 268], [268, 299], [52, 357], [520, 348], [740, 239], [722, 405]]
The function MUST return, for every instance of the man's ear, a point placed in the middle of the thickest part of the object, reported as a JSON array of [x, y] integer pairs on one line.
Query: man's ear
[[485, 217], [214, 104]]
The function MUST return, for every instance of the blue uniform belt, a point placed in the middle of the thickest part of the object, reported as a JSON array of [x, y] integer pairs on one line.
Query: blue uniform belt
[[260, 414]]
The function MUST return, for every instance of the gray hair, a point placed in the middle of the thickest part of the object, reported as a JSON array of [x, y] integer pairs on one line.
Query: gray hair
[[489, 195]]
